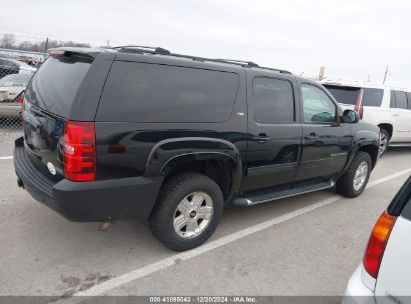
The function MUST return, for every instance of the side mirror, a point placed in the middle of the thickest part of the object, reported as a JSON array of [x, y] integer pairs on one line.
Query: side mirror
[[350, 116]]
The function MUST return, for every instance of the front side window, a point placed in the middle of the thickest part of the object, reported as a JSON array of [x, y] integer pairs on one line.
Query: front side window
[[318, 107], [273, 100]]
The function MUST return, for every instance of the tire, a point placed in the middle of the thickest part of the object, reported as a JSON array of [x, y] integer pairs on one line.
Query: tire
[[191, 188], [345, 185], [384, 141]]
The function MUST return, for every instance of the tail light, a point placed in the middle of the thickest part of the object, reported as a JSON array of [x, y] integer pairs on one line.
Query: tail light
[[79, 151], [358, 105], [20, 99], [377, 242]]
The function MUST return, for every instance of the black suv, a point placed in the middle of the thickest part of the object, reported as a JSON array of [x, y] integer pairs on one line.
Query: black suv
[[137, 132]]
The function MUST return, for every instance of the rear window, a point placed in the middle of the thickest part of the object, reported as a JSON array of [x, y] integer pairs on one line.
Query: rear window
[[273, 100], [399, 100], [56, 83], [143, 92], [15, 80], [345, 95]]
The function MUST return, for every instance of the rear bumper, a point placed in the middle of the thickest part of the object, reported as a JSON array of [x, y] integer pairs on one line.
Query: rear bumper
[[13, 109], [127, 198], [357, 292]]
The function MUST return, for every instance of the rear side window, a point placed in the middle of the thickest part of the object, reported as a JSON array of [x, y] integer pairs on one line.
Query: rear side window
[[409, 100], [56, 83], [344, 94], [372, 97], [273, 100], [143, 92], [399, 100]]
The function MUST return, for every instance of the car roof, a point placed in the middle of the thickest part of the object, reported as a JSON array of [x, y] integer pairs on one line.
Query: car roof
[[168, 56], [360, 85]]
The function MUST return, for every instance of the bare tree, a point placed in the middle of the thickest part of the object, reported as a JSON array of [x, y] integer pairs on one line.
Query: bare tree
[[7, 41]]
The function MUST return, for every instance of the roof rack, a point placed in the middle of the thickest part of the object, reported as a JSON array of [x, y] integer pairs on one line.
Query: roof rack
[[142, 49], [241, 62], [161, 51]]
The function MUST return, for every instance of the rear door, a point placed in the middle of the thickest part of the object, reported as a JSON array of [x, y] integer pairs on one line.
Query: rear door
[[326, 142], [274, 129], [401, 113], [48, 102]]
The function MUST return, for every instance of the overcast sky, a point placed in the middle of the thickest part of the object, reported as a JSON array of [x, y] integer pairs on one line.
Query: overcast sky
[[353, 39]]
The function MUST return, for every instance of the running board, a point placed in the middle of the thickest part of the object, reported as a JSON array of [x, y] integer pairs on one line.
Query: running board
[[262, 197]]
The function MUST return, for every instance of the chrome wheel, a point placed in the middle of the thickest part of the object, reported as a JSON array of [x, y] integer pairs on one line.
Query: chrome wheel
[[360, 175], [193, 214], [383, 142]]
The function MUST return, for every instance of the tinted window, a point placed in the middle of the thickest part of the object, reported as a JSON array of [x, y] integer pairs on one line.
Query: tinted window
[[400, 100], [346, 95], [56, 83], [159, 93], [406, 212], [372, 97], [273, 100], [409, 100], [318, 107]]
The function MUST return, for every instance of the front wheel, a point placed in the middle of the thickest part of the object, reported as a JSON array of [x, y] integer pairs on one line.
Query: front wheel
[[187, 212], [355, 179]]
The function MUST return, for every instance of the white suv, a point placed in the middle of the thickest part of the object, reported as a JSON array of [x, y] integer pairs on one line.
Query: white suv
[[385, 274], [386, 107]]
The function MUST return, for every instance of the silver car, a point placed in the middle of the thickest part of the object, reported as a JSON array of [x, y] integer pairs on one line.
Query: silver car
[[385, 274], [10, 87]]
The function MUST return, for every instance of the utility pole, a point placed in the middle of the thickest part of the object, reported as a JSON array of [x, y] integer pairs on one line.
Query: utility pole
[[385, 75], [46, 45], [321, 74], [108, 43]]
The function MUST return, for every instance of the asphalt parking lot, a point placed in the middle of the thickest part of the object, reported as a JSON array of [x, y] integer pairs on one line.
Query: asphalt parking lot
[[306, 245]]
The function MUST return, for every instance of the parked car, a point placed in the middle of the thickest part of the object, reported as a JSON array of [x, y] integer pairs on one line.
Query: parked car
[[143, 133], [12, 66], [385, 107], [385, 274], [10, 87]]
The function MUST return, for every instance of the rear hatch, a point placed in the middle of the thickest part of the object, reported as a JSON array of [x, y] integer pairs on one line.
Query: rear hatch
[[48, 102]]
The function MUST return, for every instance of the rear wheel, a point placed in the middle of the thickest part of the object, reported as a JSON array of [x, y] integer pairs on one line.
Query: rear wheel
[[355, 179], [384, 141], [187, 212]]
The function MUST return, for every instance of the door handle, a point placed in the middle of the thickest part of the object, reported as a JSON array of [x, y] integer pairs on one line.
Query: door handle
[[261, 138], [395, 115]]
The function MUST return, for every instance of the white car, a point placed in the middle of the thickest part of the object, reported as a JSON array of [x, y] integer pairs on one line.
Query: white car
[[385, 107], [385, 274], [10, 87]]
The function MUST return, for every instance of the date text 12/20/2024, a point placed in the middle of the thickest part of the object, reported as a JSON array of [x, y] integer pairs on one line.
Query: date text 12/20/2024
[[205, 299]]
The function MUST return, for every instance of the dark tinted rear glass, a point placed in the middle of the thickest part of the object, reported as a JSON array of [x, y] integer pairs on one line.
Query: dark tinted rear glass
[[372, 97], [400, 100], [56, 83], [406, 212], [273, 100], [345, 95], [143, 92]]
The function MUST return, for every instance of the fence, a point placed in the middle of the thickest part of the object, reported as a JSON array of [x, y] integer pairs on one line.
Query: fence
[[16, 69]]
